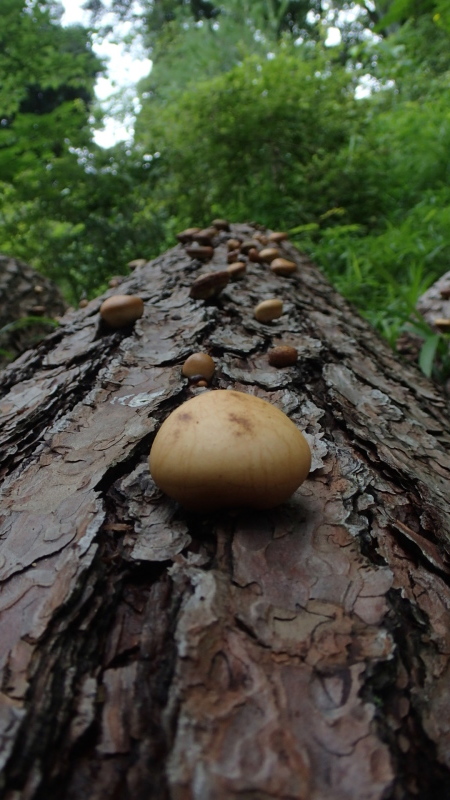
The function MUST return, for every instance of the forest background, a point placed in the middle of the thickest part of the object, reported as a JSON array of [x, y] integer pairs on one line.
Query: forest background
[[247, 114]]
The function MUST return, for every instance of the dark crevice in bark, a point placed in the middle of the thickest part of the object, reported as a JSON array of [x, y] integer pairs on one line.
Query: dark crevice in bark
[[417, 557], [74, 648], [418, 772]]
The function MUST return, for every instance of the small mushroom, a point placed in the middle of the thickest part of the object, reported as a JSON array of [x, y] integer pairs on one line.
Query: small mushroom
[[277, 237], [136, 263], [249, 244], [209, 285], [233, 244], [268, 310], [254, 256], [442, 324], [38, 289], [269, 253], [261, 238], [37, 311], [205, 236], [234, 255], [199, 366], [236, 270], [83, 303], [281, 266], [202, 252], [227, 449], [221, 224], [115, 281], [282, 355], [121, 310], [186, 235]]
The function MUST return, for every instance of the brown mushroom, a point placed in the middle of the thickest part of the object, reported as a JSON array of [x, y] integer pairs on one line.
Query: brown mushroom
[[277, 237], [209, 285], [249, 244], [442, 324], [254, 255], [268, 310], [200, 366], [202, 252], [281, 266], [186, 235], [236, 270], [223, 449], [234, 255], [282, 355], [121, 310], [136, 263], [205, 236], [269, 253], [221, 224], [115, 281]]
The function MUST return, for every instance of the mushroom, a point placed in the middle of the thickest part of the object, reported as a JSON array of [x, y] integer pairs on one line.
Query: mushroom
[[254, 256], [233, 244], [277, 237], [442, 324], [186, 235], [269, 253], [205, 236], [221, 224], [268, 310], [136, 263], [83, 302], [235, 255], [249, 244], [281, 266], [236, 270], [199, 365], [115, 281], [283, 355], [121, 310], [225, 449], [202, 252], [209, 285]]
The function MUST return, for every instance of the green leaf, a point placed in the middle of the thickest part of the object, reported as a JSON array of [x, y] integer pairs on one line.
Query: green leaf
[[428, 354]]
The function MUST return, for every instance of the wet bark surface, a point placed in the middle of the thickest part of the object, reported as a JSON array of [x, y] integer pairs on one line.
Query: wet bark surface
[[146, 652]]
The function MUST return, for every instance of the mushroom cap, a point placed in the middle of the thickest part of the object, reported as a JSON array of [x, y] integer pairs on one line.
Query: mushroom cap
[[199, 364], [281, 266], [225, 449], [121, 309], [268, 310], [283, 355], [236, 270], [269, 253]]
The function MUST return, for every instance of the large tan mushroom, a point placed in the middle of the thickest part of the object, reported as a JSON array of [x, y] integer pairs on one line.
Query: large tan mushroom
[[225, 449], [121, 310]]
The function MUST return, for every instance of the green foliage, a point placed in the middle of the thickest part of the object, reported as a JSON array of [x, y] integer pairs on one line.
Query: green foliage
[[259, 141]]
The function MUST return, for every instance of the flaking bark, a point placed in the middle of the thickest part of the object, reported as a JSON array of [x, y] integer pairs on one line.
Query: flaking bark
[[24, 294], [150, 653]]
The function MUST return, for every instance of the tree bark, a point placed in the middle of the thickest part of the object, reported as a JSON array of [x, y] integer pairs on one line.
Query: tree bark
[[24, 293], [147, 652]]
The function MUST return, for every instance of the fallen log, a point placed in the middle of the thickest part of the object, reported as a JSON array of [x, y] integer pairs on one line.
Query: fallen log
[[150, 652]]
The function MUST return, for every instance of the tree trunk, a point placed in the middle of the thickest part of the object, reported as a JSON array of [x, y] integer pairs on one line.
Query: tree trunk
[[147, 652], [25, 295]]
